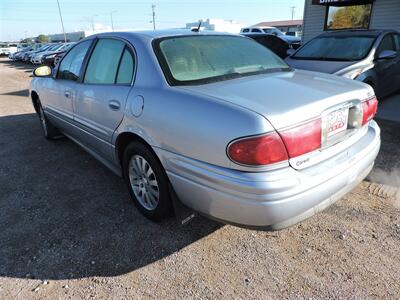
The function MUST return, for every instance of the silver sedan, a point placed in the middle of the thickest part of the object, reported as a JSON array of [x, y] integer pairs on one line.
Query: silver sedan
[[214, 120]]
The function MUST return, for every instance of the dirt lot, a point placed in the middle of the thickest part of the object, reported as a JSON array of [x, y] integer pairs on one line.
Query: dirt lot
[[69, 231]]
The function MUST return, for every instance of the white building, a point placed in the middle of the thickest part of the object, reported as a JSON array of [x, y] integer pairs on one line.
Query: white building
[[217, 25]]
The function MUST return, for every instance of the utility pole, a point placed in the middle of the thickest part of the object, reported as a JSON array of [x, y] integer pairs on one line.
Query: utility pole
[[93, 23], [293, 8], [62, 23], [112, 22], [154, 16]]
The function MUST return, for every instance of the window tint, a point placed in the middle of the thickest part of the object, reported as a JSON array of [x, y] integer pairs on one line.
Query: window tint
[[71, 65], [246, 30], [256, 30], [125, 71], [103, 64], [386, 44]]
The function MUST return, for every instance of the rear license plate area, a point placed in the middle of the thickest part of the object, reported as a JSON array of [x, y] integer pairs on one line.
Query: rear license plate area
[[336, 122]]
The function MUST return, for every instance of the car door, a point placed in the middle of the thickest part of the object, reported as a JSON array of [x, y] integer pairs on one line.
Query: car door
[[60, 90], [386, 68], [396, 38], [100, 103]]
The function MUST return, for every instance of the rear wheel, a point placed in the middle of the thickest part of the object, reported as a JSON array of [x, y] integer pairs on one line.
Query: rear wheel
[[147, 181], [50, 132]]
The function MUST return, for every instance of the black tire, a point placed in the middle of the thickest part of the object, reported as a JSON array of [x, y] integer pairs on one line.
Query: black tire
[[163, 208], [50, 132]]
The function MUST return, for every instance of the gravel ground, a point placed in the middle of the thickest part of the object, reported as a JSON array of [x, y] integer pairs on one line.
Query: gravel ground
[[69, 231]]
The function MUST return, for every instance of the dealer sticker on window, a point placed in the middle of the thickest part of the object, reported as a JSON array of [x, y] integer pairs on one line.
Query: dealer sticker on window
[[337, 121]]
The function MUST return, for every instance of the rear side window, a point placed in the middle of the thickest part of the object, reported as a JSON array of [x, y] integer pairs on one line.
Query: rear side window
[[245, 30], [126, 67], [256, 30], [71, 64], [103, 64]]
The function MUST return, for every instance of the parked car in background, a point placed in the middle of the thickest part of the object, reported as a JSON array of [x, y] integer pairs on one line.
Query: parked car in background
[[277, 45], [7, 49], [293, 41], [49, 57], [19, 54], [37, 58], [28, 55], [370, 56], [216, 119]]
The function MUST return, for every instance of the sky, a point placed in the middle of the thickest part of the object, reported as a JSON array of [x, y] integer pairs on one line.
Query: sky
[[29, 18]]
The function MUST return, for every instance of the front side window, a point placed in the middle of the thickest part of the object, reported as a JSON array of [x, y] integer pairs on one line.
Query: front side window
[[339, 48], [348, 17], [397, 41], [103, 64], [205, 59], [71, 64], [386, 44]]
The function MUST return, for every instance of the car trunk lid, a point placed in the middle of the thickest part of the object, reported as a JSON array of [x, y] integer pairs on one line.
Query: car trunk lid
[[289, 99]]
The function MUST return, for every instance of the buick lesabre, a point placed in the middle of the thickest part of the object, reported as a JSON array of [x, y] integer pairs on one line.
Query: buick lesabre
[[217, 119]]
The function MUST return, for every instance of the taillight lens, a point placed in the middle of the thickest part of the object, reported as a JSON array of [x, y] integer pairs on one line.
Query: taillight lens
[[369, 109], [302, 139], [260, 150]]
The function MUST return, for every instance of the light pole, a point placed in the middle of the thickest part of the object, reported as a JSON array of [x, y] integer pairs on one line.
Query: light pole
[[293, 8], [112, 22], [154, 16], [62, 23], [93, 23]]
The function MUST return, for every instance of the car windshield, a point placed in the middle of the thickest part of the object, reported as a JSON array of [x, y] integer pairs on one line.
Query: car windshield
[[340, 48], [206, 59]]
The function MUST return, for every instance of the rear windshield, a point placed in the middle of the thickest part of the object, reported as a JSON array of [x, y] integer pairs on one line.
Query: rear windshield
[[205, 59], [344, 48]]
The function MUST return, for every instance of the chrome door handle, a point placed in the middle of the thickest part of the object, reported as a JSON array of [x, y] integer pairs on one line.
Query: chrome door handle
[[114, 105], [67, 94]]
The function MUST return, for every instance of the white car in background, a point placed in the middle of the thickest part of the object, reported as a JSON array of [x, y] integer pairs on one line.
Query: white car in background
[[7, 49], [293, 41]]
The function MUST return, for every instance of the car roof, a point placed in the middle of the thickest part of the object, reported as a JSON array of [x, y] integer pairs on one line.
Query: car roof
[[359, 32], [154, 34]]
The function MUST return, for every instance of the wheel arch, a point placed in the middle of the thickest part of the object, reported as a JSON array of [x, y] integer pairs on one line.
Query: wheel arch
[[35, 101], [124, 139]]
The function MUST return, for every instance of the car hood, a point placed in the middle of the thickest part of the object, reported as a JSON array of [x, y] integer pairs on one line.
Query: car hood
[[323, 66], [286, 98], [290, 38]]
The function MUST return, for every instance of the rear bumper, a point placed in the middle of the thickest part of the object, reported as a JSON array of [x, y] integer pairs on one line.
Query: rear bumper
[[273, 199]]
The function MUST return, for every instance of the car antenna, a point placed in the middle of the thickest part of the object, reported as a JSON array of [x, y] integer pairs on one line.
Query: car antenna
[[198, 27]]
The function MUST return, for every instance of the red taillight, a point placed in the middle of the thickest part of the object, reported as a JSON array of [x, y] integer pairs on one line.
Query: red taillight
[[369, 109], [260, 150], [302, 139]]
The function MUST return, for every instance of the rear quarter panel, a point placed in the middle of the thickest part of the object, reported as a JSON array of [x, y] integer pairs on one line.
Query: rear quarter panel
[[194, 126]]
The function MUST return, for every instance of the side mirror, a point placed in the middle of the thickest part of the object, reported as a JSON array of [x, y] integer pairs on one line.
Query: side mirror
[[387, 54], [42, 71], [290, 51]]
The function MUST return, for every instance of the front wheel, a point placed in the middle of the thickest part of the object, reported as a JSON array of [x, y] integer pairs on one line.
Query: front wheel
[[147, 181], [50, 132]]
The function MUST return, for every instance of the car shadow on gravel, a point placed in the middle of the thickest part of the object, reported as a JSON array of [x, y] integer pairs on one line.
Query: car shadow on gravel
[[63, 215], [21, 93], [18, 64]]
